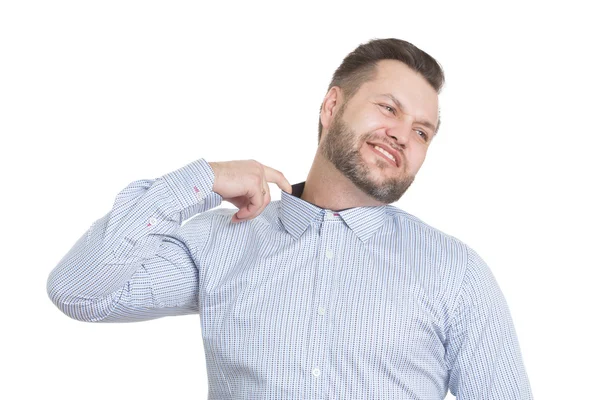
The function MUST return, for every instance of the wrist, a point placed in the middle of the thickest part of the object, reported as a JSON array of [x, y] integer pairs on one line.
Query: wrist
[[215, 168]]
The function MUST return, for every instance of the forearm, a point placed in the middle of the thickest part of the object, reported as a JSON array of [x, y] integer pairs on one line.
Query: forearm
[[104, 271]]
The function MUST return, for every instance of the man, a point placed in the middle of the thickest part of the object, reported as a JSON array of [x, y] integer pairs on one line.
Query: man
[[328, 293]]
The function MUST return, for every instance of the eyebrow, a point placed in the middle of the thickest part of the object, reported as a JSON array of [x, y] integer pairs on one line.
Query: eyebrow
[[403, 109]]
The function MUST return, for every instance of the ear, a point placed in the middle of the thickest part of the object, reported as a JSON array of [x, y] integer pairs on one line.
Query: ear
[[331, 104]]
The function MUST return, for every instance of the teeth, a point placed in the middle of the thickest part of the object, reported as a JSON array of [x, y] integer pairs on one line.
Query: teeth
[[388, 155]]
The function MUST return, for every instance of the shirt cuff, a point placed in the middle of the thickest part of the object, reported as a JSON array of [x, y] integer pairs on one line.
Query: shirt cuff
[[192, 186]]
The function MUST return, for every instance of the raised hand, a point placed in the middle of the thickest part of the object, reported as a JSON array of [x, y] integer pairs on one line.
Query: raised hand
[[244, 183]]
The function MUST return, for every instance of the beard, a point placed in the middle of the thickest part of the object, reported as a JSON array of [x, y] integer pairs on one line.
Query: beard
[[341, 147]]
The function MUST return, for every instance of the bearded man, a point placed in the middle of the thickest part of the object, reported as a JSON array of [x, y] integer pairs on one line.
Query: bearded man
[[330, 292]]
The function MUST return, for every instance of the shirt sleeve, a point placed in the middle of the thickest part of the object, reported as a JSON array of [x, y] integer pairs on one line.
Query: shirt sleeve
[[482, 351], [136, 262]]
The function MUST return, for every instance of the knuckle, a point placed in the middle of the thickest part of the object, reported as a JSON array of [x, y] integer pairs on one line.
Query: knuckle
[[257, 168], [257, 179]]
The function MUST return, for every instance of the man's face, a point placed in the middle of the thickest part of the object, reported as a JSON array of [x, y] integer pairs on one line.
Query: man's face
[[372, 118]]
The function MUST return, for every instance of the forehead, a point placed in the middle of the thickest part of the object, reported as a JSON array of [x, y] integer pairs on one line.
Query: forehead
[[408, 86]]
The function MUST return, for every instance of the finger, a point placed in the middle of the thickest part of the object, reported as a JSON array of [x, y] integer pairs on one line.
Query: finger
[[253, 204], [243, 216], [266, 197], [275, 176], [264, 192]]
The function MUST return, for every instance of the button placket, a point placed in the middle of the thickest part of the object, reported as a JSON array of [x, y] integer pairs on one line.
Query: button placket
[[326, 265]]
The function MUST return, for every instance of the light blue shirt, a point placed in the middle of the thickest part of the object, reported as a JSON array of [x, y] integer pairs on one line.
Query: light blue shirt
[[300, 302]]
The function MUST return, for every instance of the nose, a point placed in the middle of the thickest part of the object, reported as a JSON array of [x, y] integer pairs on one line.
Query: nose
[[400, 131]]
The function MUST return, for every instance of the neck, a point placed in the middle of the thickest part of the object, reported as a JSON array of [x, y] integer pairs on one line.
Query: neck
[[328, 188]]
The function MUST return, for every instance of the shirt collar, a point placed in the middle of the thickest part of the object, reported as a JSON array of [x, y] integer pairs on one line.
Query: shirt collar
[[296, 215]]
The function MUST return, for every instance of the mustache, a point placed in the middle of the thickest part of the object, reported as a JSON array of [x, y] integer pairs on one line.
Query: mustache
[[379, 139]]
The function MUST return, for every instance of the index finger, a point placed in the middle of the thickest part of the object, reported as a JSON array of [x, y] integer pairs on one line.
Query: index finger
[[275, 176]]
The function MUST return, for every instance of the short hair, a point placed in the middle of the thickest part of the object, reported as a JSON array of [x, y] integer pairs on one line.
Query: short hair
[[360, 66]]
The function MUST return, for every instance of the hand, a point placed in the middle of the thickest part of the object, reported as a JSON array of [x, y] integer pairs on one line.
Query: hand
[[245, 184]]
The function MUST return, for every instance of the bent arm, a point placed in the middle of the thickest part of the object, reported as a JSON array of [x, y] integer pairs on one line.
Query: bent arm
[[136, 262]]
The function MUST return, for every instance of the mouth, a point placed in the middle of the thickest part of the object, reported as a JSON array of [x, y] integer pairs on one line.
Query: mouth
[[386, 153]]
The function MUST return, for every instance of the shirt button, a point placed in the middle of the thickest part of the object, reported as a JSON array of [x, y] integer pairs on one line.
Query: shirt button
[[152, 221], [199, 197], [329, 254], [321, 310], [316, 372]]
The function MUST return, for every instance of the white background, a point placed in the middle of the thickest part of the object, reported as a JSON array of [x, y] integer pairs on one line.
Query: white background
[[95, 95]]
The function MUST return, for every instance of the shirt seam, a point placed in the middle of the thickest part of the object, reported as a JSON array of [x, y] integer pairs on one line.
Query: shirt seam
[[459, 300], [204, 249]]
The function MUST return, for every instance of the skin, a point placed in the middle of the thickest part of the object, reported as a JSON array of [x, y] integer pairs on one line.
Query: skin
[[346, 172]]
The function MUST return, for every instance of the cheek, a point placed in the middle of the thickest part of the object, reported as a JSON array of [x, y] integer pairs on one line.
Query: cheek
[[416, 160], [367, 121]]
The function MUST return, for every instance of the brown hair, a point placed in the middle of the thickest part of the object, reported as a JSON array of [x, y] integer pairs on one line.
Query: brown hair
[[360, 65]]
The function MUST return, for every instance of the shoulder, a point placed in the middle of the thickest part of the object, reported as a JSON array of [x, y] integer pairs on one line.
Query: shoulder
[[437, 240], [426, 235], [458, 268]]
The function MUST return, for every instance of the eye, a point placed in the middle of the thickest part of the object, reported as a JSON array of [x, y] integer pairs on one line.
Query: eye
[[425, 135], [388, 108]]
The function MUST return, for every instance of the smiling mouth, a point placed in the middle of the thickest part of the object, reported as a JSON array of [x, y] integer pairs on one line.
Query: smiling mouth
[[383, 155]]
